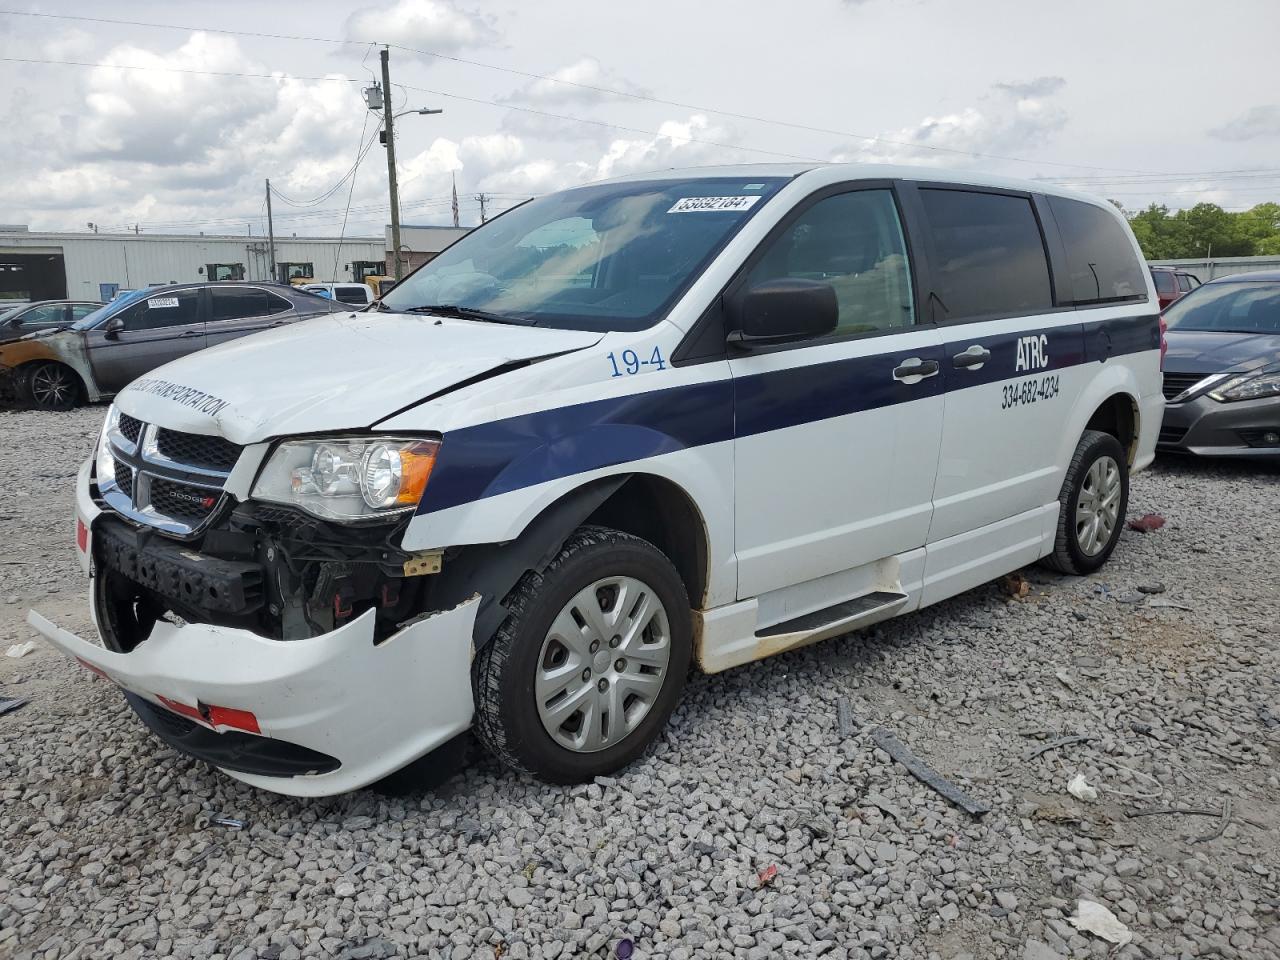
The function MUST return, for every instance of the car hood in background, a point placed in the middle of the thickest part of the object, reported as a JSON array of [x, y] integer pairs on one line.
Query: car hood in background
[[1195, 351], [339, 372], [9, 335]]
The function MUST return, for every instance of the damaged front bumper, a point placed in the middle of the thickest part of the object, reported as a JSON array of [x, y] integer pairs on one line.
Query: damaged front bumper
[[309, 717]]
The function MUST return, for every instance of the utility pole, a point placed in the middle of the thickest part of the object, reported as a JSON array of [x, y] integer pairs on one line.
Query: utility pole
[[484, 199], [271, 236], [388, 119]]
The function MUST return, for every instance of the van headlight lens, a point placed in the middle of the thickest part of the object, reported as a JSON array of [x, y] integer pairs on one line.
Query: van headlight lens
[[348, 478], [1248, 387]]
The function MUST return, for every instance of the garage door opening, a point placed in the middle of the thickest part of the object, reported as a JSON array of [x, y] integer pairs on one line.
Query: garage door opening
[[32, 276]]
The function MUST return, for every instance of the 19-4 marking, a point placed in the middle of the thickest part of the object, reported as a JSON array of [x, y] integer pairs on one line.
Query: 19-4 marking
[[632, 364]]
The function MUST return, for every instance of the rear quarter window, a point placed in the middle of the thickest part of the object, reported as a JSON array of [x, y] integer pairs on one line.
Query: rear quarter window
[[1101, 264], [1165, 284]]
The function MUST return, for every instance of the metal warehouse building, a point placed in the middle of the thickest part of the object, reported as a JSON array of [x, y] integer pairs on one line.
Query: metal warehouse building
[[96, 266]]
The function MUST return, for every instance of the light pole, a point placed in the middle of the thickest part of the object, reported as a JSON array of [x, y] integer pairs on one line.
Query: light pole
[[389, 132]]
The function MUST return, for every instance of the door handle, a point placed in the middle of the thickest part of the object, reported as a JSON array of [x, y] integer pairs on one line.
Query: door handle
[[914, 370], [971, 359]]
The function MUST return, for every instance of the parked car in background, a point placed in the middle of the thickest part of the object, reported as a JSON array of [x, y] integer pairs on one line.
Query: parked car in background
[[1172, 283], [353, 294], [1222, 372], [109, 347], [17, 322]]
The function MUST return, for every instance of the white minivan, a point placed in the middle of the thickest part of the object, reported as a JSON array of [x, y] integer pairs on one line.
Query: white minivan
[[683, 419]]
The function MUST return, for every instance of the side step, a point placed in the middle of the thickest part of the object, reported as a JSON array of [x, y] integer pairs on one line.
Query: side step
[[834, 620]]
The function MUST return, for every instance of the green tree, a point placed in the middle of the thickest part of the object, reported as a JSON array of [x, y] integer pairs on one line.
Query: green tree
[[1206, 230]]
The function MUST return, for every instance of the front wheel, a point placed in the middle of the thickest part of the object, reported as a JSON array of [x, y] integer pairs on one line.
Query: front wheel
[[586, 669], [51, 386], [1092, 505]]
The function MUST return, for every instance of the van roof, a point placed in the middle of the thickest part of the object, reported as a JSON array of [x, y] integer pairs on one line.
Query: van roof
[[865, 171]]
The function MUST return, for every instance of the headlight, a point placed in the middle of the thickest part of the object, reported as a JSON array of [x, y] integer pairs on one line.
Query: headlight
[[1248, 387], [105, 465], [348, 478]]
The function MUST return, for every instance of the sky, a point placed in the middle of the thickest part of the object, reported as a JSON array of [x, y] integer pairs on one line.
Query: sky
[[172, 122]]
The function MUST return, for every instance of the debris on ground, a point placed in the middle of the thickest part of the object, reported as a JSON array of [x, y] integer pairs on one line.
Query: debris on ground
[[1151, 587], [1146, 523], [624, 949], [233, 823], [844, 717], [767, 876], [1165, 602], [20, 649], [9, 704], [1015, 585], [890, 744], [1092, 917], [1080, 788], [1131, 596], [1059, 743]]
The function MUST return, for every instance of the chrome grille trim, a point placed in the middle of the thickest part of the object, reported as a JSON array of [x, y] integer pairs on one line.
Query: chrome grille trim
[[144, 463]]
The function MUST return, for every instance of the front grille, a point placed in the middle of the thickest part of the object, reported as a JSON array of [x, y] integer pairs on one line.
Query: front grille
[[182, 501], [167, 478], [130, 428], [124, 478], [1176, 383], [197, 450], [1171, 434]]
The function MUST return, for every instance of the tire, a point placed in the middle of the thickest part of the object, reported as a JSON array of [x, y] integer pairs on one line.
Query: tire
[[549, 634], [51, 386], [1098, 473]]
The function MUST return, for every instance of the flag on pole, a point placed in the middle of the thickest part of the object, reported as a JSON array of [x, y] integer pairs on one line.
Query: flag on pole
[[455, 200]]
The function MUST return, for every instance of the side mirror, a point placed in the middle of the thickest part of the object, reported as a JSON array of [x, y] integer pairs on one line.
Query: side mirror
[[781, 311], [112, 330]]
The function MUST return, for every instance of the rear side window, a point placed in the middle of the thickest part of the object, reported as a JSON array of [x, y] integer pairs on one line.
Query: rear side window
[[239, 303], [1165, 284], [990, 256], [351, 295], [1184, 283], [1101, 263]]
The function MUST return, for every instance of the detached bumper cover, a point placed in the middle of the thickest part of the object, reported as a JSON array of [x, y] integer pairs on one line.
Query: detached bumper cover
[[371, 709], [1206, 427]]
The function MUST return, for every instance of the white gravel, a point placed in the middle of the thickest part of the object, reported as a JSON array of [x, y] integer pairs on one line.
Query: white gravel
[[107, 848]]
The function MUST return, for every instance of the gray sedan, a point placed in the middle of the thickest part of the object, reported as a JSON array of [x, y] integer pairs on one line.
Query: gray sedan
[[1222, 371]]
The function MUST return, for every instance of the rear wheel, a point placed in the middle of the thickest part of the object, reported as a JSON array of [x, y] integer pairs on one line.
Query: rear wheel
[[51, 386], [1092, 505], [587, 668]]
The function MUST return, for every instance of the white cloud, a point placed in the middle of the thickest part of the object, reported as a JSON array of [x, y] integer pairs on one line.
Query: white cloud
[[585, 81], [430, 25], [1254, 124], [1020, 117]]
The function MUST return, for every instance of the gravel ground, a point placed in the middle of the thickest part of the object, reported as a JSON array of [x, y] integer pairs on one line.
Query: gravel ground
[[107, 846]]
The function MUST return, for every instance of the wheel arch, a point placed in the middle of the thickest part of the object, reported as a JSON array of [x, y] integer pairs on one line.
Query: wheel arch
[[25, 369], [1120, 416], [642, 504]]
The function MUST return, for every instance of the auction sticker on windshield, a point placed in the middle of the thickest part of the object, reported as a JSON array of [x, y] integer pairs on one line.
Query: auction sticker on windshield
[[700, 204]]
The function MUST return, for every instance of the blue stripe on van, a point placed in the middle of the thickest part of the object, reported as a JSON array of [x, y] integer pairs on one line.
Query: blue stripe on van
[[504, 455]]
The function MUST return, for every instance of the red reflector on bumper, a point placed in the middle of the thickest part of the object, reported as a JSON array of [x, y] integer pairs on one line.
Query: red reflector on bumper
[[219, 718], [92, 669], [235, 719], [82, 535]]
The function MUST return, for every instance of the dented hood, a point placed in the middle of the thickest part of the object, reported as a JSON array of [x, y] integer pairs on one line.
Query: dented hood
[[339, 372]]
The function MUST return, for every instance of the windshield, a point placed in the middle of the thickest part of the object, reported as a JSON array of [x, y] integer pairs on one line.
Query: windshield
[[1244, 307], [89, 321], [606, 257]]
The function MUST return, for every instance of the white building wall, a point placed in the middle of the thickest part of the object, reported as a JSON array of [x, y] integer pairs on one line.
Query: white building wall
[[140, 259]]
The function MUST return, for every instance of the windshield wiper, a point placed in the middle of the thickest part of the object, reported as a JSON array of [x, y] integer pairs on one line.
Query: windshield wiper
[[470, 313]]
